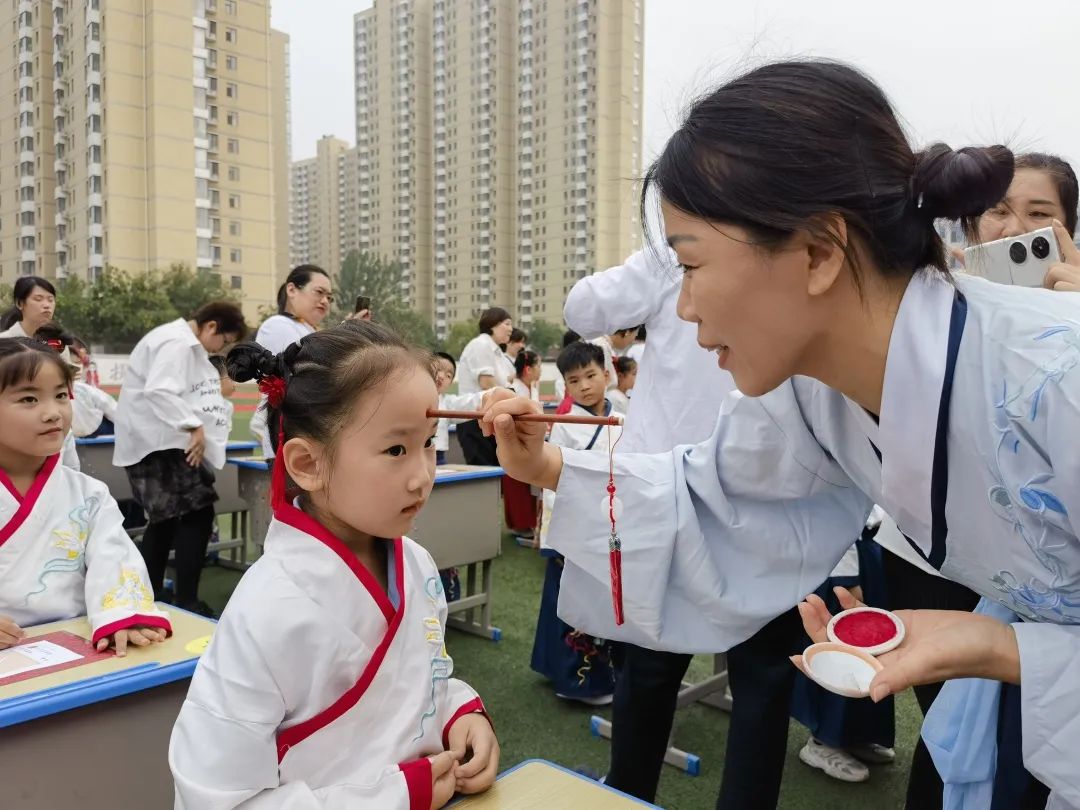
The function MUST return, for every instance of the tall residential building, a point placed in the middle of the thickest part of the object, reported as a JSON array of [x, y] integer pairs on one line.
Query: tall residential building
[[137, 133], [316, 206], [281, 138], [496, 142]]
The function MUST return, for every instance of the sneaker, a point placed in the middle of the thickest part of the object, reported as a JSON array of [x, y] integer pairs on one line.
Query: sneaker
[[873, 754], [836, 763], [598, 700]]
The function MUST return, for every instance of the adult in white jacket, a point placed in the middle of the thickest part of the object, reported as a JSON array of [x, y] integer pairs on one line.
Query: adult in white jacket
[[303, 301], [171, 428], [805, 226]]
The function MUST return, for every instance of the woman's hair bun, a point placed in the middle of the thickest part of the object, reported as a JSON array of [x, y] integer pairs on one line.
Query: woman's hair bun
[[960, 183], [250, 361]]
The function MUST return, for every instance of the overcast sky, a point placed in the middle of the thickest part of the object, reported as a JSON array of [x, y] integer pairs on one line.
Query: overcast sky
[[963, 71]]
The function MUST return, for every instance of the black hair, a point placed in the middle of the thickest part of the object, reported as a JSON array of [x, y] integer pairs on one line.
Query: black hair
[[517, 336], [1064, 179], [21, 360], [227, 315], [625, 365], [448, 357], [325, 374], [53, 331], [790, 145], [526, 359], [579, 355], [570, 336], [490, 318], [299, 276], [24, 286], [218, 362]]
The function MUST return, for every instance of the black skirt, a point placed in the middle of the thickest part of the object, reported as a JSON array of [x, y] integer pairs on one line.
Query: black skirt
[[166, 486]]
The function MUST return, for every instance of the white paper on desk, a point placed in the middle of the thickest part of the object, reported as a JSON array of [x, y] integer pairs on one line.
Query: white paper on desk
[[34, 655]]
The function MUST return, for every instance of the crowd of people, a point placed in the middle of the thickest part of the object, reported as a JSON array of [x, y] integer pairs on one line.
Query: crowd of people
[[815, 414]]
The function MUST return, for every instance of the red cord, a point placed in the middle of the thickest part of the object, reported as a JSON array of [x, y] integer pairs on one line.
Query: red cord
[[614, 544]]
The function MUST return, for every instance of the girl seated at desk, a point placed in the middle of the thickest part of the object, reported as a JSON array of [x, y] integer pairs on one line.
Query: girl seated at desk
[[328, 683], [63, 549]]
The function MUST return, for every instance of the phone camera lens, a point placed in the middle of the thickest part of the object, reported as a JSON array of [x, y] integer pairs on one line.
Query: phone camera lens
[[1018, 252], [1040, 248]]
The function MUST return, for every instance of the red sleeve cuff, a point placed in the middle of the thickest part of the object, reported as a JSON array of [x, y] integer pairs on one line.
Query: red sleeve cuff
[[417, 774], [474, 706], [131, 621]]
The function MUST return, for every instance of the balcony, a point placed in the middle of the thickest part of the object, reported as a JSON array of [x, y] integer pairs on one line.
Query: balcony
[[28, 256]]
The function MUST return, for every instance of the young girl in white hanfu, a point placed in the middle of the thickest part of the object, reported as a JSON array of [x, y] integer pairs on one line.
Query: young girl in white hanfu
[[63, 549], [328, 683]]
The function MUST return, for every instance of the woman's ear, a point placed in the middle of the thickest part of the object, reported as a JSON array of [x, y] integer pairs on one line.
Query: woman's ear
[[825, 254], [303, 462]]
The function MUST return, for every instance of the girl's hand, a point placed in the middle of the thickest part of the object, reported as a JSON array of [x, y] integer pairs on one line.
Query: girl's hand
[[10, 633], [1065, 275], [473, 734], [139, 636], [938, 645], [521, 448], [442, 777]]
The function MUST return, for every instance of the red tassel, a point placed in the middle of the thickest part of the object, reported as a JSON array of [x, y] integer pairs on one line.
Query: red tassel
[[615, 556]]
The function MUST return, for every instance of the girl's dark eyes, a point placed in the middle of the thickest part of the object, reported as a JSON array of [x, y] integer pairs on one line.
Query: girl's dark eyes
[[396, 450], [430, 442], [687, 268]]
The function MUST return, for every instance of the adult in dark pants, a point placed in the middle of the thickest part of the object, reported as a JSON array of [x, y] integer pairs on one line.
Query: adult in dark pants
[[482, 366]]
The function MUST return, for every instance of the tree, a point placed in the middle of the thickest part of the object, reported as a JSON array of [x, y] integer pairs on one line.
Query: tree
[[118, 309], [379, 279], [413, 327], [544, 337], [459, 335]]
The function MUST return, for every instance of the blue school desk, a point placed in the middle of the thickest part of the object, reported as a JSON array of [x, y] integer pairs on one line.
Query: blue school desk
[[536, 783], [461, 526], [97, 735]]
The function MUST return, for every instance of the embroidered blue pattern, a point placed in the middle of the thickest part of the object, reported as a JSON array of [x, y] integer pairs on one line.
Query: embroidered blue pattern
[[71, 543], [442, 666], [1036, 514]]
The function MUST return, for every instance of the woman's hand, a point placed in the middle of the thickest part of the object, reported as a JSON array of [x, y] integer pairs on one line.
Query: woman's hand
[[938, 645], [1065, 275], [196, 448], [522, 451]]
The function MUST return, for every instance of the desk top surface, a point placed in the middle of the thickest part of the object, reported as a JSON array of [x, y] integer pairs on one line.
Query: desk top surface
[[97, 441], [536, 784], [142, 668], [445, 474]]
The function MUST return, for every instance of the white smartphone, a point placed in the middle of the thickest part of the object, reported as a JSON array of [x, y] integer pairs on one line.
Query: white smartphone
[[1021, 260]]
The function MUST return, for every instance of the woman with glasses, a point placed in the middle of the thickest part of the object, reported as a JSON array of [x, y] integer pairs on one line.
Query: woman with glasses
[[304, 301]]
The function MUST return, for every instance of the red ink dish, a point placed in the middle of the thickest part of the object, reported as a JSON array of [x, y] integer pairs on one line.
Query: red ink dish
[[869, 629]]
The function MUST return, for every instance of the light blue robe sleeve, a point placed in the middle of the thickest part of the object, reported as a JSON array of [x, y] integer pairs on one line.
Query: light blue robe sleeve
[[717, 539]]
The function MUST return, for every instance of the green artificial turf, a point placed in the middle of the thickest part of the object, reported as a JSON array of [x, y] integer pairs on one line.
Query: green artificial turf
[[532, 722]]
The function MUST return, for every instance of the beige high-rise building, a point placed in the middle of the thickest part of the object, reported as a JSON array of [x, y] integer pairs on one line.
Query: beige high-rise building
[[496, 142], [316, 206], [281, 137], [143, 136]]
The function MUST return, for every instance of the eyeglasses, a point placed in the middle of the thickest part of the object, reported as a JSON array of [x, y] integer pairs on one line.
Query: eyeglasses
[[322, 294]]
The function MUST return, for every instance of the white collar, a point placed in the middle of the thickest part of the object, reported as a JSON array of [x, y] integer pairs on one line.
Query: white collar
[[910, 399]]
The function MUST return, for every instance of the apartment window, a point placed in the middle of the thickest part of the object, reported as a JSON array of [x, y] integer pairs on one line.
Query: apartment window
[[230, 35], [234, 201], [234, 255], [93, 62], [93, 123], [236, 282], [233, 146], [211, 58], [211, 86], [230, 7], [213, 114], [27, 243], [214, 168], [93, 184], [231, 90], [213, 142], [234, 228], [215, 198], [26, 218], [234, 173], [93, 154], [26, 144], [230, 62], [95, 216], [232, 118], [96, 245], [26, 119], [212, 29]]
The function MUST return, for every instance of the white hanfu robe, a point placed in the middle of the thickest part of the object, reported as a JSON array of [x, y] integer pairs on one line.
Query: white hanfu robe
[[976, 457], [454, 402], [64, 553], [320, 690]]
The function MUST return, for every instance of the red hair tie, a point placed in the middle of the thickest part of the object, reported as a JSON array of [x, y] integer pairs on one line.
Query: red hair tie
[[273, 388], [56, 345]]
